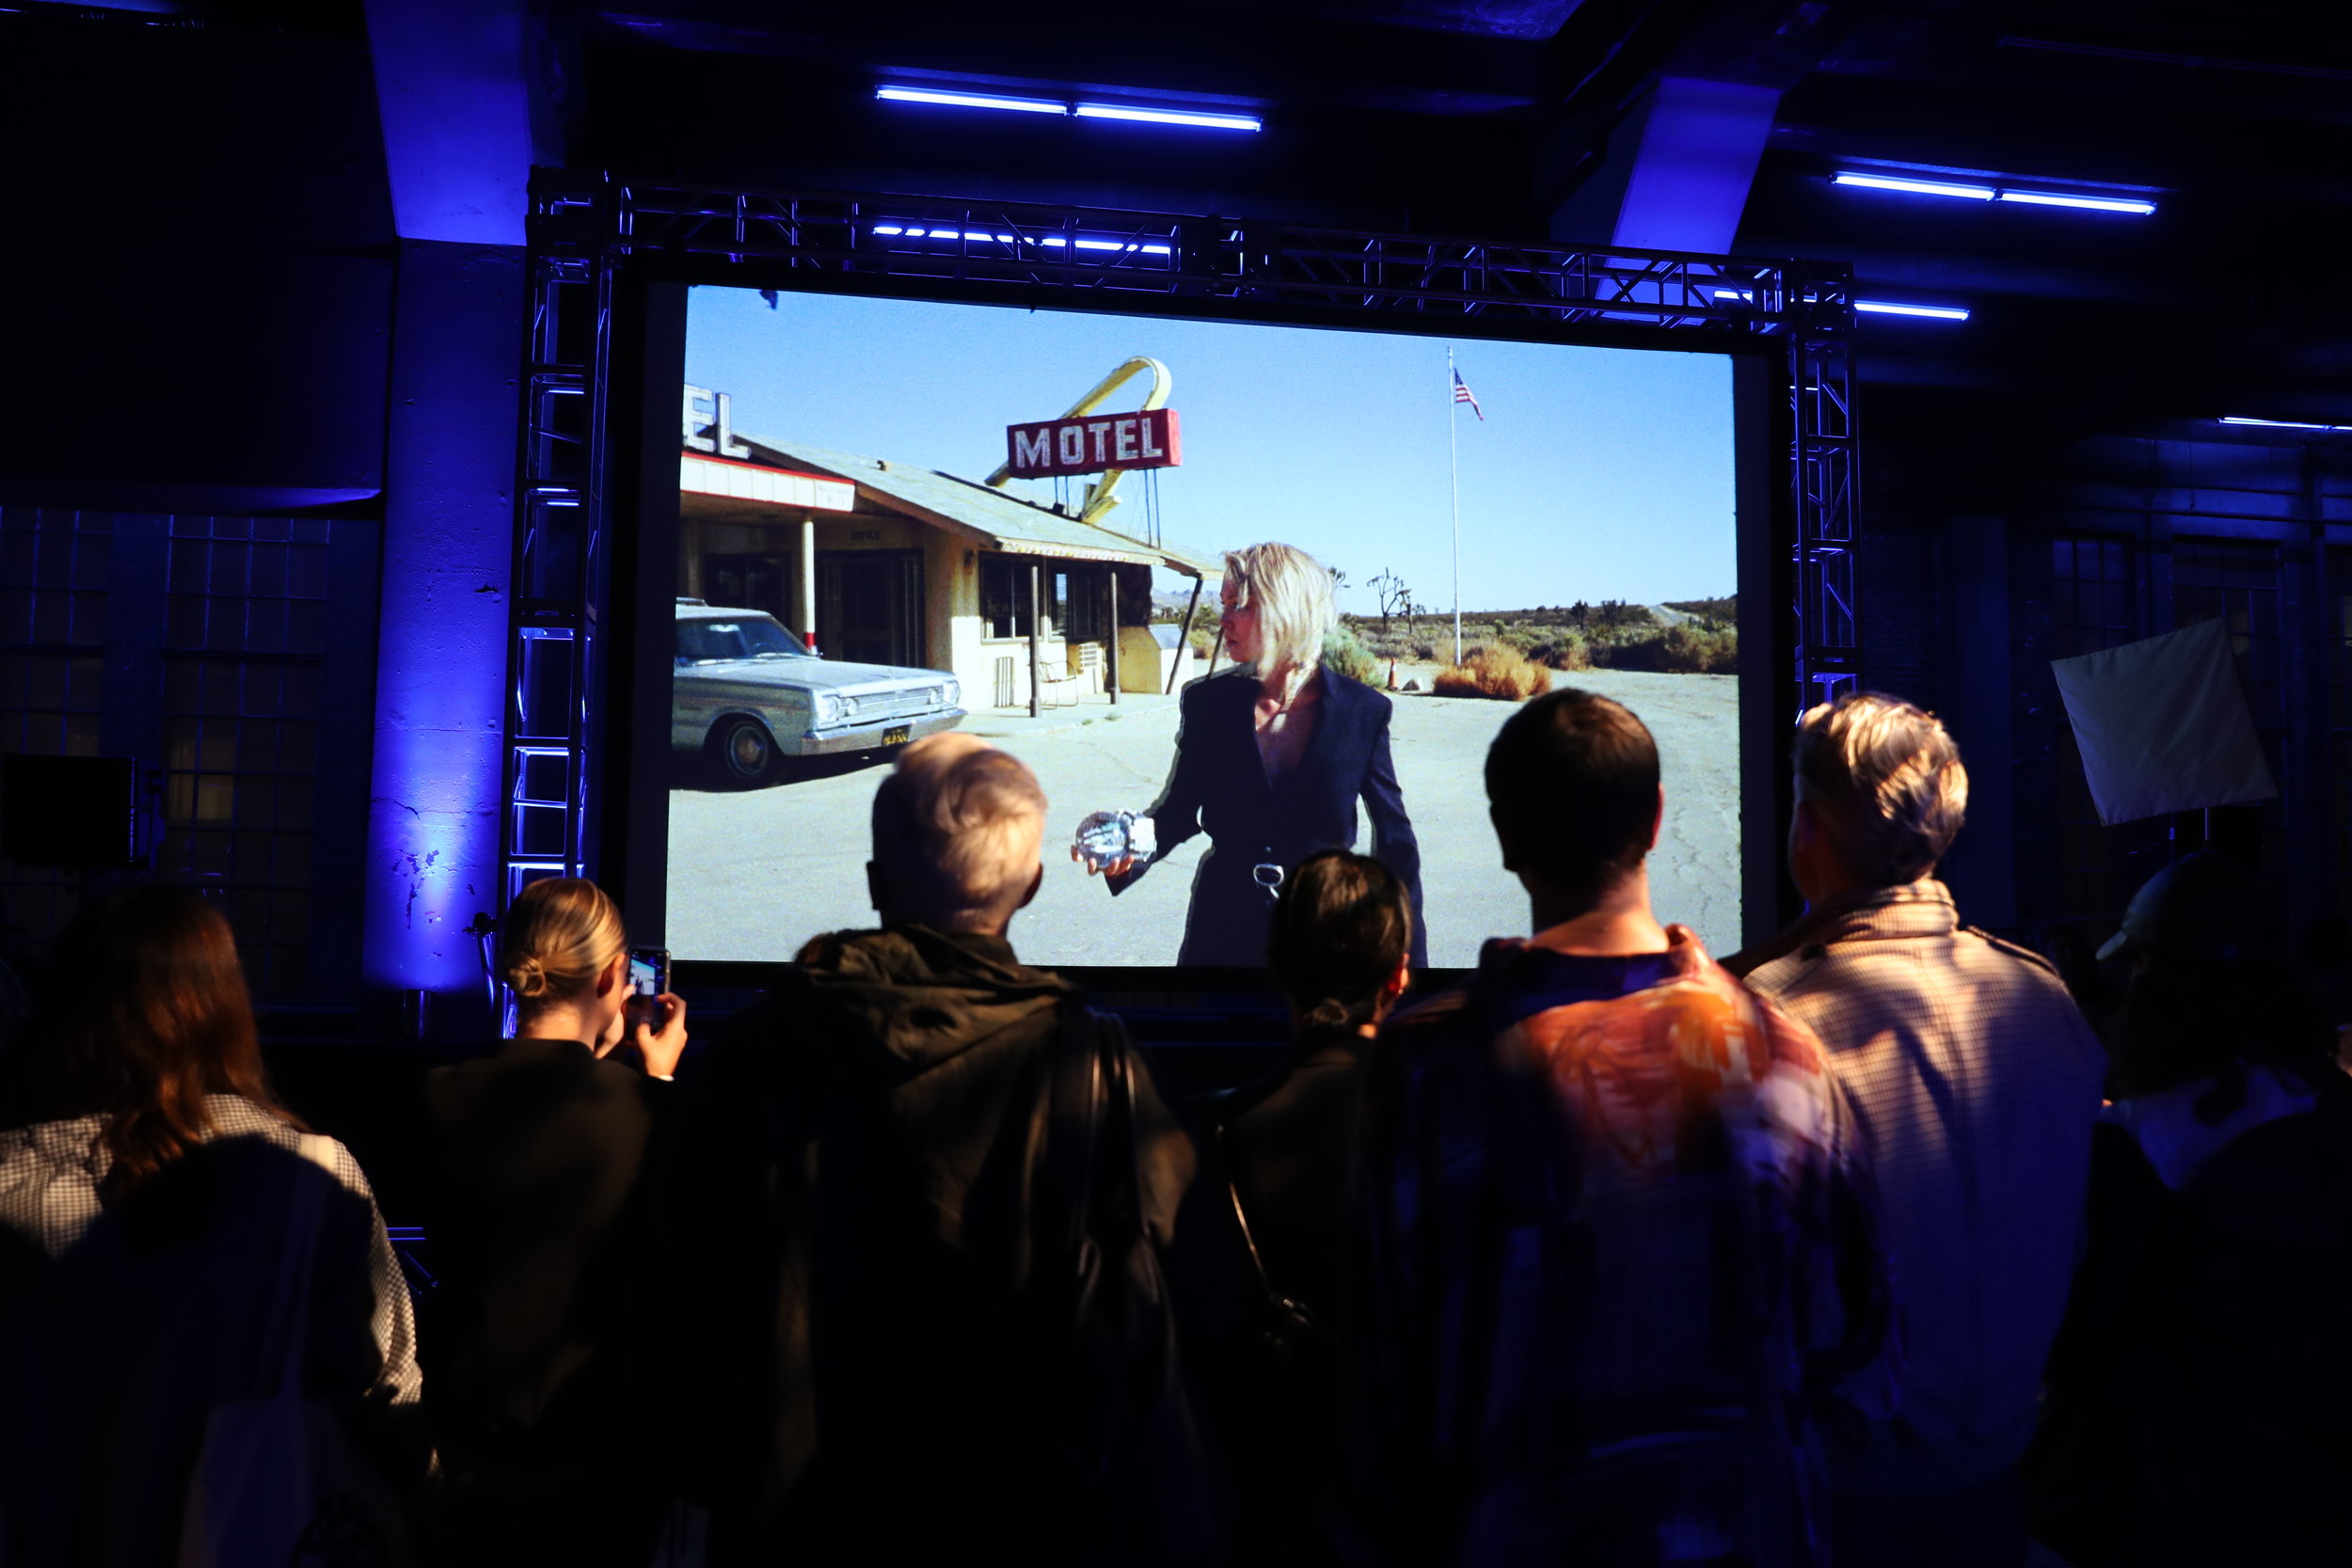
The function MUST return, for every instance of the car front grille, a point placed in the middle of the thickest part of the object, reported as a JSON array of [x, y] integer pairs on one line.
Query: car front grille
[[887, 704]]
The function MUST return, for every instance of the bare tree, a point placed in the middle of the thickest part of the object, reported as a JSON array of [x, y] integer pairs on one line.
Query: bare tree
[[1395, 598]]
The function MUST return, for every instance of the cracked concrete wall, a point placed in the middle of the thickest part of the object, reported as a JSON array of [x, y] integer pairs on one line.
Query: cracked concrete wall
[[433, 825]]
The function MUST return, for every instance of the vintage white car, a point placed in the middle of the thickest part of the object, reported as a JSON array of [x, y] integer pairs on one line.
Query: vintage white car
[[747, 692]]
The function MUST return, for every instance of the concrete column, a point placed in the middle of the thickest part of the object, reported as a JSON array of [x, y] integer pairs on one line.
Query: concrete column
[[448, 524]]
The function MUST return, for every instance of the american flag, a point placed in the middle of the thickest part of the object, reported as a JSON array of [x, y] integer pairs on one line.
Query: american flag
[[1462, 394]]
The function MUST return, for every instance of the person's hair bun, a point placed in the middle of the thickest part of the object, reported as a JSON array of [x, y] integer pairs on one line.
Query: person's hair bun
[[558, 936], [527, 977]]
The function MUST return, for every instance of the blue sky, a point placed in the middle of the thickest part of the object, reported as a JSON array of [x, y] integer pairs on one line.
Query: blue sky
[[1597, 474]]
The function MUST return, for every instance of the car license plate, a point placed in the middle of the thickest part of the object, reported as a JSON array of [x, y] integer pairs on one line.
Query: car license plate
[[896, 735]]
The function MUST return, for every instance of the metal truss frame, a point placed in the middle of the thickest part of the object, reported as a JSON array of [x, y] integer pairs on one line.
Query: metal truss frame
[[585, 228], [558, 588]]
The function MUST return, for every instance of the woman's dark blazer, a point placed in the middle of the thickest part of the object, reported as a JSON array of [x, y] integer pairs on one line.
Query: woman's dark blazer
[[1219, 786]]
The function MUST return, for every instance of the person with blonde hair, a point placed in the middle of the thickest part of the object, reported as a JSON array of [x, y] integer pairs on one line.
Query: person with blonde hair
[[1974, 1083], [536, 1164], [883, 1205], [1271, 759]]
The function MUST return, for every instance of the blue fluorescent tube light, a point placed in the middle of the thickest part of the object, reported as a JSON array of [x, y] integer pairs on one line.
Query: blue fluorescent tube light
[[971, 101], [2093, 203], [1168, 117], [2285, 424], [1933, 312], [1916, 187], [1995, 192]]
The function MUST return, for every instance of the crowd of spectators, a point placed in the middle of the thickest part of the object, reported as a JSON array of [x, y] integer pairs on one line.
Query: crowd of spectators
[[1863, 1247]]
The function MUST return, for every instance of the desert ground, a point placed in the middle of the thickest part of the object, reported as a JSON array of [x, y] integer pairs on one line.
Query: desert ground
[[755, 873]]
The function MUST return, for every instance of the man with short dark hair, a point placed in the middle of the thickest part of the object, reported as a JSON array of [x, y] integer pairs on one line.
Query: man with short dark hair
[[893, 1348], [1617, 1249], [1975, 1084]]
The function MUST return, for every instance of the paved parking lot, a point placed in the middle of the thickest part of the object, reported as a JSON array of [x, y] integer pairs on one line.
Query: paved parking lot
[[754, 874]]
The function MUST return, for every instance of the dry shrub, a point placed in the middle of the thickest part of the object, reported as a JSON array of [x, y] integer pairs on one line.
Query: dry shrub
[[1498, 670], [1566, 650], [1344, 650]]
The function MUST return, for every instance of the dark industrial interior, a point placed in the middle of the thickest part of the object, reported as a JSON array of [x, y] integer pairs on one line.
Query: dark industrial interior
[[275, 340]]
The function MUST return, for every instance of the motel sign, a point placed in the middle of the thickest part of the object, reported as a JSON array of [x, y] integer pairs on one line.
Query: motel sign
[[1093, 443]]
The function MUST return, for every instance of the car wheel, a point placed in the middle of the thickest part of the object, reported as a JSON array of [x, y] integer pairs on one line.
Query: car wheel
[[743, 751]]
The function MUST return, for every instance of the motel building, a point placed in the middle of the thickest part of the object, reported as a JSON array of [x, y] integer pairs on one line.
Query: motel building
[[882, 562]]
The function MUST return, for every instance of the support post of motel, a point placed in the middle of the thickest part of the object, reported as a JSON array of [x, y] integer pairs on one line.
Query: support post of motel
[[1036, 611], [806, 598]]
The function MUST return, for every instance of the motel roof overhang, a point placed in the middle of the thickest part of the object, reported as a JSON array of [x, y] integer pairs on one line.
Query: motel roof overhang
[[982, 516]]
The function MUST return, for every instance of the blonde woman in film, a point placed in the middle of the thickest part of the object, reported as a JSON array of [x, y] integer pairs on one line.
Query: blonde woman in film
[[1272, 757]]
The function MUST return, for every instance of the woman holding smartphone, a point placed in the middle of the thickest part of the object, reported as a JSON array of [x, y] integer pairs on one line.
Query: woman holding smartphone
[[535, 1161]]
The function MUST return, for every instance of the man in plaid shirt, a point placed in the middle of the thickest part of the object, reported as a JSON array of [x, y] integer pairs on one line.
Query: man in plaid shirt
[[1974, 1082]]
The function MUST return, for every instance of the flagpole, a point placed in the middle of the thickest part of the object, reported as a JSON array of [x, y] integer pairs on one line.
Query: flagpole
[[1453, 462]]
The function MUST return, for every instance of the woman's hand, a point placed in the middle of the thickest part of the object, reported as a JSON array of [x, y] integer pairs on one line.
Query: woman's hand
[[1133, 836], [1119, 867], [662, 1050]]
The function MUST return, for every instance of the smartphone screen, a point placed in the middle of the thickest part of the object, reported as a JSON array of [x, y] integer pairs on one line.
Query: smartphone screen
[[649, 971]]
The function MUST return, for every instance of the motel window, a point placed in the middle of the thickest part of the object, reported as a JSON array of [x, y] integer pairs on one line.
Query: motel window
[[1078, 605], [1005, 595]]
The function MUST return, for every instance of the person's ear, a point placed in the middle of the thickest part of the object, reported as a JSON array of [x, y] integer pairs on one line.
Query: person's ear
[[877, 890], [1394, 986], [610, 975], [1502, 836], [1036, 880]]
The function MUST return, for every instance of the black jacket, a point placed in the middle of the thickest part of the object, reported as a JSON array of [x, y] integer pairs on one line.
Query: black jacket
[[536, 1163], [1287, 1147], [1217, 786], [858, 1263]]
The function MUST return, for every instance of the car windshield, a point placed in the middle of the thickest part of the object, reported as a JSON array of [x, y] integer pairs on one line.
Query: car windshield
[[743, 637]]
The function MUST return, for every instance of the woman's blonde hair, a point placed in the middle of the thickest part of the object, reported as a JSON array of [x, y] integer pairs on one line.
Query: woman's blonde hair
[[557, 938], [1292, 593], [1886, 780]]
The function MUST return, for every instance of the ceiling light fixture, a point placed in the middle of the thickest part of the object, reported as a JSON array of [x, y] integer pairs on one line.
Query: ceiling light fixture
[[1196, 118], [2089, 203], [1993, 193], [1916, 187], [1168, 117], [1933, 312], [2285, 424], [971, 101]]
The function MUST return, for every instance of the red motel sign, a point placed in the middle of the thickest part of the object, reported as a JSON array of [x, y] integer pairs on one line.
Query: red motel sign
[[1093, 443]]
